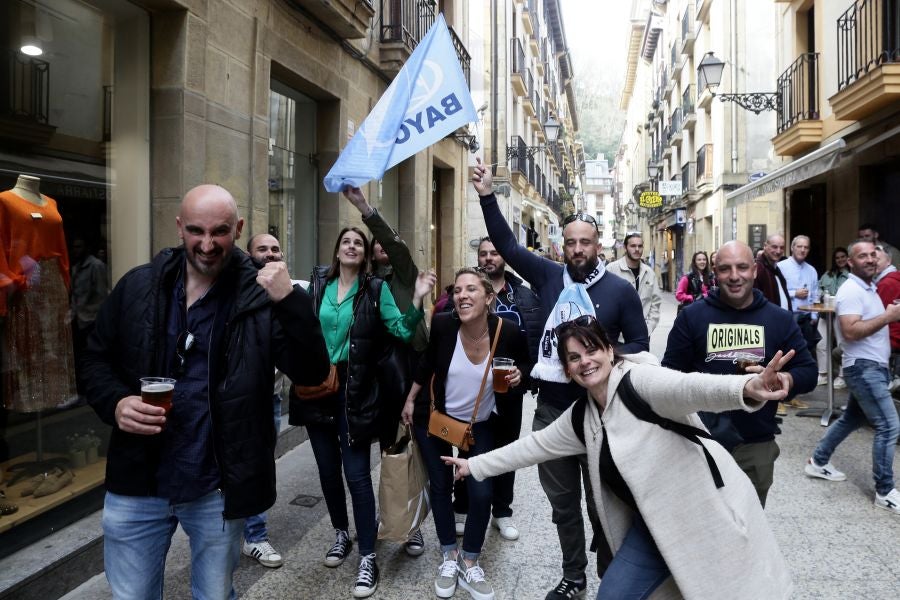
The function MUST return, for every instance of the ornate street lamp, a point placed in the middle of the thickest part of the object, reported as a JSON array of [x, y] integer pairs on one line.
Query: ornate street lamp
[[551, 132], [709, 76], [652, 169]]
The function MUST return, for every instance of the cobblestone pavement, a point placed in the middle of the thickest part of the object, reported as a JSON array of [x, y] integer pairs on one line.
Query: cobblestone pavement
[[837, 544]]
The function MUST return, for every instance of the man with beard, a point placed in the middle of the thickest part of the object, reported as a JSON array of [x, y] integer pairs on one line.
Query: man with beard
[[578, 289], [732, 326], [204, 315], [634, 271], [864, 321]]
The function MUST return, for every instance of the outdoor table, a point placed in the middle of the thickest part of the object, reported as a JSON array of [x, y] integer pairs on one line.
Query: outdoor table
[[830, 410]]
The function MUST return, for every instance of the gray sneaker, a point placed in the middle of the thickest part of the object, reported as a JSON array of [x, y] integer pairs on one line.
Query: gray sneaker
[[472, 580], [445, 582]]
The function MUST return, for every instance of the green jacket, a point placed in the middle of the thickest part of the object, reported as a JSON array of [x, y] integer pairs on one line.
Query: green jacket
[[401, 274]]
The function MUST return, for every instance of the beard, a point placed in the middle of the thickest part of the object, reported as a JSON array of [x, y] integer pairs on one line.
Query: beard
[[579, 273], [207, 270]]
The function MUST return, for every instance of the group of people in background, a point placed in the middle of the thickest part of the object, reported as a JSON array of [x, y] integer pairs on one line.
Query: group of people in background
[[611, 424]]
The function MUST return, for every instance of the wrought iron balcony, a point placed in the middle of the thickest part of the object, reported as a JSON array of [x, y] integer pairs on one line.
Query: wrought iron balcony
[[406, 21], [462, 54], [868, 37], [799, 89]]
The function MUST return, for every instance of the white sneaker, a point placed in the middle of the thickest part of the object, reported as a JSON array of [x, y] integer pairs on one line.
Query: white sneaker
[[263, 552], [823, 379], [506, 528], [839, 383], [472, 580], [460, 523], [890, 502], [824, 472]]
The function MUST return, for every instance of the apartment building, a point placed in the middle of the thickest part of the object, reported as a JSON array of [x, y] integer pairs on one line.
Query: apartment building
[[684, 141], [529, 123], [598, 202], [120, 107], [839, 125]]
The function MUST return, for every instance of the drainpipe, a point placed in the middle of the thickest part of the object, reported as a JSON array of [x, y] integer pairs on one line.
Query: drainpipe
[[494, 92], [733, 66]]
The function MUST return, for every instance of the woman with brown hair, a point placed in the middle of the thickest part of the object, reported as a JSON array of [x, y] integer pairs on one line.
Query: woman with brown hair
[[680, 517], [455, 366], [357, 313]]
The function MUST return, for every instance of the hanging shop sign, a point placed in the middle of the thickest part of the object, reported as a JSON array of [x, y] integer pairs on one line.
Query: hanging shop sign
[[650, 199]]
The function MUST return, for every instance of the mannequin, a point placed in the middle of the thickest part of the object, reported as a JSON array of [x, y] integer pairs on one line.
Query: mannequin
[[37, 370]]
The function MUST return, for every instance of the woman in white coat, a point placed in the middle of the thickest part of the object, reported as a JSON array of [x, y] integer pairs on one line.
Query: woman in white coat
[[678, 532]]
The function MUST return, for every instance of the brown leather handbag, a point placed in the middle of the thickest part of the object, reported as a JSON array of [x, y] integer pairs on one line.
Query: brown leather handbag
[[451, 430], [326, 388]]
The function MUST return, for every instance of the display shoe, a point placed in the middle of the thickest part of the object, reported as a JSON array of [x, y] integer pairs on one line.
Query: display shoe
[[54, 483], [35, 482], [6, 507]]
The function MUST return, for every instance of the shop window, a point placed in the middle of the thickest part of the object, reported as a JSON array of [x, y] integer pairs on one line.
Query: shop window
[[74, 215]]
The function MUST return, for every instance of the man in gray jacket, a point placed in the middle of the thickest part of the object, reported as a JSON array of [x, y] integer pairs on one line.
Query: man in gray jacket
[[634, 271]]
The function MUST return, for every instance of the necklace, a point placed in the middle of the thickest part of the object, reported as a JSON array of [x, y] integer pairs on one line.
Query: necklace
[[476, 339]]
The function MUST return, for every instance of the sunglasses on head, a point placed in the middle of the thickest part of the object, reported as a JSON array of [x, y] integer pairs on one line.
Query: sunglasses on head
[[582, 321], [584, 217], [184, 343]]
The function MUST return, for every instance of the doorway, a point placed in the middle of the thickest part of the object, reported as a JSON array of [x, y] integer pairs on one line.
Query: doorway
[[807, 217]]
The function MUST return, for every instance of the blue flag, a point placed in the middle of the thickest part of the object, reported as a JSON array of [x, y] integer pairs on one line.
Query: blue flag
[[427, 101]]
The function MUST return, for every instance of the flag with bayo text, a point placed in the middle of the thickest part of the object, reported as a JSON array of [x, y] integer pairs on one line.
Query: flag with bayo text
[[428, 100]]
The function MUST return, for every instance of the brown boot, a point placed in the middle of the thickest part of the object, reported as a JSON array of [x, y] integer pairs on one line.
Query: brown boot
[[54, 483]]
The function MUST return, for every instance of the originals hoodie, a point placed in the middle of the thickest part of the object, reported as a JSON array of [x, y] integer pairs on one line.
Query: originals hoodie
[[709, 336]]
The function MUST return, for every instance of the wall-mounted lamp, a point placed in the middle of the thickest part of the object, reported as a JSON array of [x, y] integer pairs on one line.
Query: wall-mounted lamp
[[709, 76], [652, 169], [551, 132]]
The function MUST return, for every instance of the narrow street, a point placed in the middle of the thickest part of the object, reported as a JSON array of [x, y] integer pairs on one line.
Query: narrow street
[[838, 545]]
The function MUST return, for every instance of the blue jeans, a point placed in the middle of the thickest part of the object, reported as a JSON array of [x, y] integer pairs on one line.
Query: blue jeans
[[441, 487], [255, 529], [637, 569], [332, 452], [137, 533], [869, 401]]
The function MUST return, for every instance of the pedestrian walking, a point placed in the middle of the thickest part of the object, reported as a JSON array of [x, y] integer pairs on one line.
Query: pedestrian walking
[[696, 283], [863, 321], [579, 287], [633, 270], [680, 516], [204, 315]]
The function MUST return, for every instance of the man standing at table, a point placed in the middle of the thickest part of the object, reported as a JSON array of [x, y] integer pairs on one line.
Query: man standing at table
[[863, 321], [733, 323], [207, 464], [588, 289]]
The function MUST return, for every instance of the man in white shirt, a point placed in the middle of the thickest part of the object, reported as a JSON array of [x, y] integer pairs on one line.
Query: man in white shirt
[[863, 321], [802, 287], [634, 271]]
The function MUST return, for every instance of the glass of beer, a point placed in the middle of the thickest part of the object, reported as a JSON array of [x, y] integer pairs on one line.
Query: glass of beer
[[502, 367], [158, 391]]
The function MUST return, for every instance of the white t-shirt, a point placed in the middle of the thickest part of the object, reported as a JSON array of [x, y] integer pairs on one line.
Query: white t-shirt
[[463, 381], [860, 298]]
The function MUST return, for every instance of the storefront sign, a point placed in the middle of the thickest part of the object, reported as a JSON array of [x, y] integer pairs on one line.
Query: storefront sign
[[650, 200], [670, 188], [756, 236]]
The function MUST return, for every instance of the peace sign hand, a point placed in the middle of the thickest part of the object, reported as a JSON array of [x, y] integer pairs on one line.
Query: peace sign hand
[[770, 384]]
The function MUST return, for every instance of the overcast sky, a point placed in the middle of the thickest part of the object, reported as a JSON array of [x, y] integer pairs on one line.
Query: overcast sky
[[597, 34]]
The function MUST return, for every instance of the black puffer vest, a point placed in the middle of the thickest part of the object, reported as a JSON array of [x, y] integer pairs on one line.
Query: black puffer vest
[[368, 340]]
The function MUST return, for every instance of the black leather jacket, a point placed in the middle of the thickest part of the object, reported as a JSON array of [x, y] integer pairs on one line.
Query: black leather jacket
[[251, 337]]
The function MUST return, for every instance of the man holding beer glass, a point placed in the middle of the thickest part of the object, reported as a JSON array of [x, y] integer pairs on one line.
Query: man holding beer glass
[[206, 318]]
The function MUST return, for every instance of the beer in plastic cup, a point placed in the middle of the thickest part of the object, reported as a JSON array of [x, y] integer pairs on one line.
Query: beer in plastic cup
[[502, 367], [158, 391]]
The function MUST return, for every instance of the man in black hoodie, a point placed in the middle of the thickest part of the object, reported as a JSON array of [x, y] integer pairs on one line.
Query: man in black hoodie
[[732, 328]]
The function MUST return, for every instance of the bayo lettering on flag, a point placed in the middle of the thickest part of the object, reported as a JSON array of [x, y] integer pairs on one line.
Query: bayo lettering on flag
[[427, 101]]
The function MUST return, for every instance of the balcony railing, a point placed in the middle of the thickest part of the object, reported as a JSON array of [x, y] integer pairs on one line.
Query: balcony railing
[[799, 88], [688, 31], [868, 36], [688, 178], [405, 21], [704, 162], [517, 164], [462, 54], [687, 100], [28, 88]]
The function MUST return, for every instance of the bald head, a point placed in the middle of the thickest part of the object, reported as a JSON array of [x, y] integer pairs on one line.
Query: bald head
[[208, 225], [735, 272]]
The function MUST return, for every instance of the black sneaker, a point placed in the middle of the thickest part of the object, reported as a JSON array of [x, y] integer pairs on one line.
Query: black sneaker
[[415, 545], [367, 578], [340, 550], [567, 590]]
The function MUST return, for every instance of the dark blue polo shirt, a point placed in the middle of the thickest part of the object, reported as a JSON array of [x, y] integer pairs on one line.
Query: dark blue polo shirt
[[187, 468]]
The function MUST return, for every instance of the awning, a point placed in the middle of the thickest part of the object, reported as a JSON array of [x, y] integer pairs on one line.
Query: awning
[[797, 171], [539, 207]]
